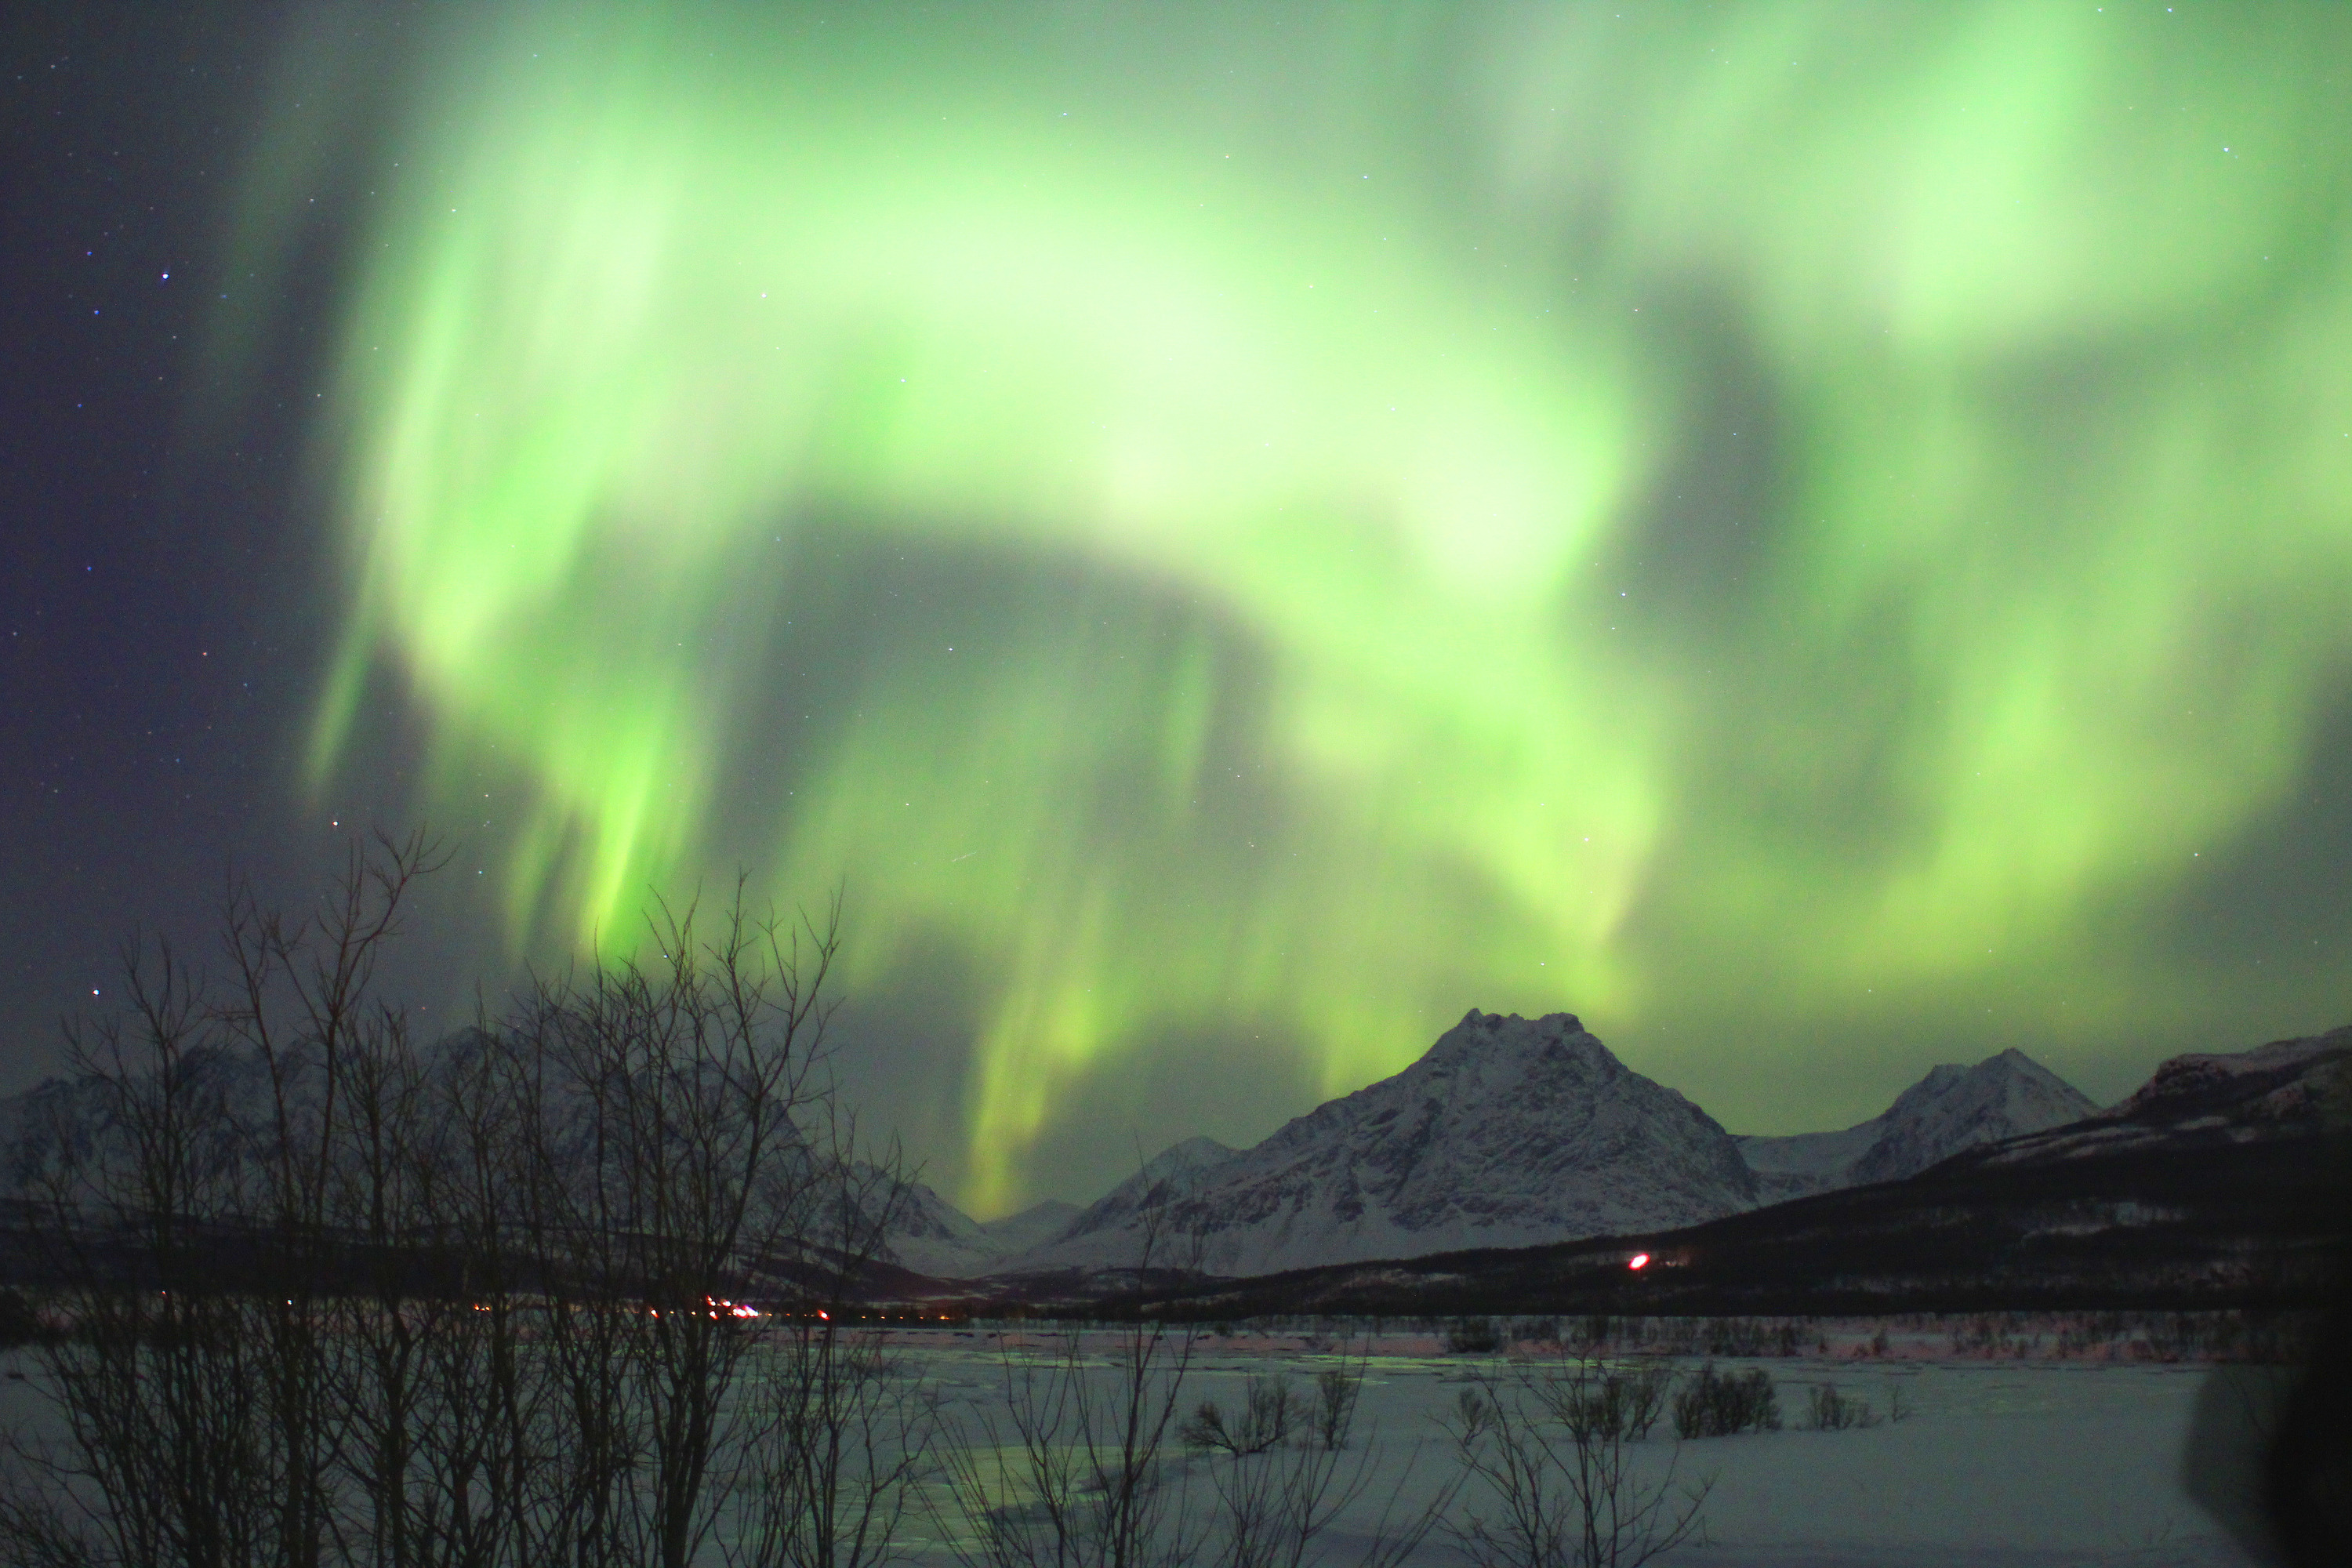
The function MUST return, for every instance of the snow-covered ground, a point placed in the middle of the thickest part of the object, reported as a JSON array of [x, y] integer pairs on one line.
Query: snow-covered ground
[[1998, 1457], [1992, 1461]]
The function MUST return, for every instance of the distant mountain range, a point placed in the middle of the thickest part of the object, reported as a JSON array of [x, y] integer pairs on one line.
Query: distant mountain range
[[1508, 1133], [2225, 1181], [1516, 1134]]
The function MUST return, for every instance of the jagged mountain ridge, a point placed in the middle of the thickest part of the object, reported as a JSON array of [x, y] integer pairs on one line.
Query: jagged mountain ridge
[[2288, 1088], [1174, 1172], [931, 1236], [1508, 1133], [2219, 1183], [1446, 1154], [1950, 1109]]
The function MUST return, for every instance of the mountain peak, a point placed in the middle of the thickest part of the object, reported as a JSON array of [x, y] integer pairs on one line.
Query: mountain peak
[[1551, 1023], [1505, 1037], [1508, 1131], [1186, 1154], [1956, 1107], [1951, 1108]]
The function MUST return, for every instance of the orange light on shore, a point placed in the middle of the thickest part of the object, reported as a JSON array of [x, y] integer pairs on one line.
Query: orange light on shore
[[1638, 1260]]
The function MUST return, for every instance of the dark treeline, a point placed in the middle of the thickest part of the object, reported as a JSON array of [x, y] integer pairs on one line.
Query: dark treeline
[[317, 1292]]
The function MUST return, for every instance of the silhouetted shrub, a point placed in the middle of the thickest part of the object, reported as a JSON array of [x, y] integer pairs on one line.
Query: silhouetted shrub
[[1620, 1404], [1273, 1410], [1722, 1404], [1473, 1336], [20, 1323], [1834, 1412]]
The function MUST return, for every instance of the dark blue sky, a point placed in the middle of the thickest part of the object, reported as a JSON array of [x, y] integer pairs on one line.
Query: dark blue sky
[[154, 652]]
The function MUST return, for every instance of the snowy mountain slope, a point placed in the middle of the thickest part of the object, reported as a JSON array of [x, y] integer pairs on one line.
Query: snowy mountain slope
[[1112, 1219], [2008, 1106], [1808, 1162], [931, 1236], [1954, 1108], [2287, 1088], [1950, 1109], [227, 1095], [1033, 1226], [2283, 1084], [1510, 1133]]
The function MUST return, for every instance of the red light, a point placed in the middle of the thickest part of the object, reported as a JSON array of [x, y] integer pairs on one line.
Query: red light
[[1639, 1260]]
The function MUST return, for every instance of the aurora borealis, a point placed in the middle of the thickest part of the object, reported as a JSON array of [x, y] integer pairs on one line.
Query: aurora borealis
[[1802, 532]]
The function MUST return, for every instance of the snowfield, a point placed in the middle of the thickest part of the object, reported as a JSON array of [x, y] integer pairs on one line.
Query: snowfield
[[1992, 1460], [1989, 1459]]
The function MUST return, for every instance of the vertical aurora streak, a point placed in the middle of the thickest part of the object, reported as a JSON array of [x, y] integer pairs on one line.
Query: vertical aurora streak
[[1314, 518]]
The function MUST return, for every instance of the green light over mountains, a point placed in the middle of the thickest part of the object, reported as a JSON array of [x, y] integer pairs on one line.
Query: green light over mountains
[[1301, 519]]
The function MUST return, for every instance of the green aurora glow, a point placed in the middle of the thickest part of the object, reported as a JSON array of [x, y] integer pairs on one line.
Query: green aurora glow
[[1299, 521]]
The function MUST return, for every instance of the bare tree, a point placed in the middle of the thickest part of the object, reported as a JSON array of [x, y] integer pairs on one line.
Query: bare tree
[[842, 1432], [671, 1165], [1075, 1473], [185, 1219], [1553, 1450], [335, 1297], [1292, 1466]]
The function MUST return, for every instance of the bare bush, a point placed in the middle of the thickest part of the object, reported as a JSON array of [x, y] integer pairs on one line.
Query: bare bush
[[832, 1471], [840, 1433], [1553, 1448], [1277, 1501], [1076, 1472], [1723, 1405], [1831, 1411], [1337, 1390], [330, 1296], [1473, 1336], [1271, 1409], [187, 1205]]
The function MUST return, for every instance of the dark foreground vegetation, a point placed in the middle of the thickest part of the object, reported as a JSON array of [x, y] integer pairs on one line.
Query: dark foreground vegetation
[[302, 1290], [602, 1281]]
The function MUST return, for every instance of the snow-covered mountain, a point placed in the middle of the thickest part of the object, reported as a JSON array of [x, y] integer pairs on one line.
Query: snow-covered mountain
[[2287, 1088], [931, 1236], [1033, 1226], [1176, 1172], [1513, 1132], [1510, 1133], [1804, 1163], [227, 1098], [1950, 1109]]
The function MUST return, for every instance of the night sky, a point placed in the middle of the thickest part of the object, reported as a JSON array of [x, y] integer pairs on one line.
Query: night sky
[[1815, 536]]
